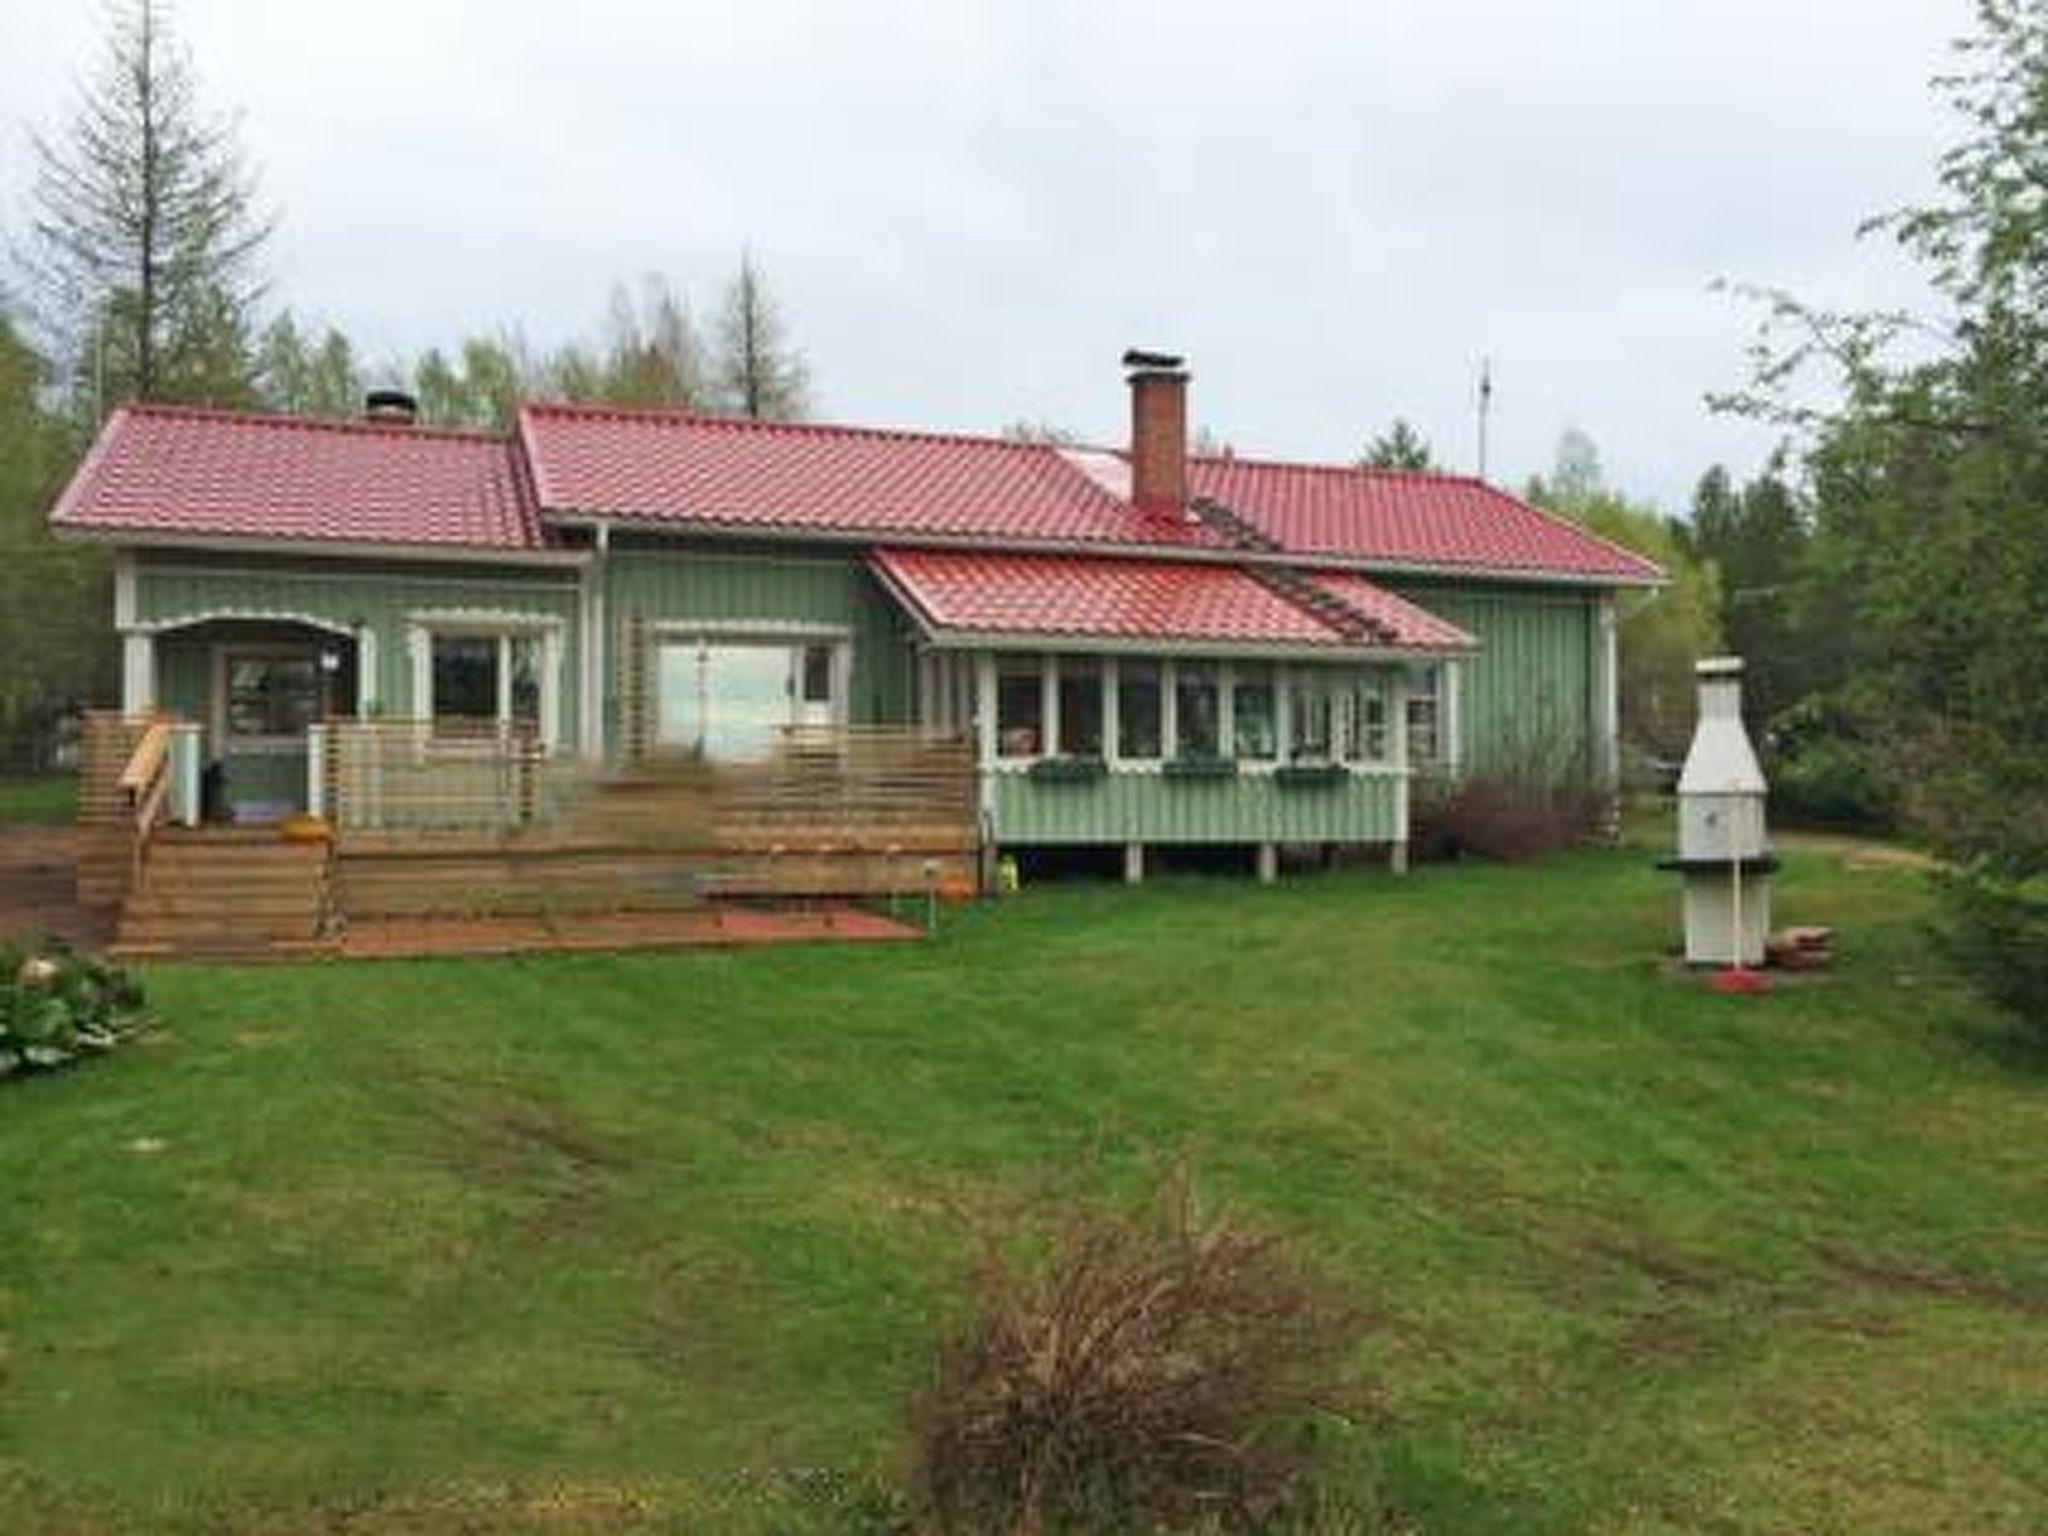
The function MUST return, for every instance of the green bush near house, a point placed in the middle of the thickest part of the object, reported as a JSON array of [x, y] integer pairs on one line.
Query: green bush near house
[[56, 1006]]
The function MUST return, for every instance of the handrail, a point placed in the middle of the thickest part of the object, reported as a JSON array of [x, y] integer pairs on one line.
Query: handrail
[[146, 782], [147, 760]]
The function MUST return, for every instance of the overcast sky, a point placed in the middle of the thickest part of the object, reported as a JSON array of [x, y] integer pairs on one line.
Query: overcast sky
[[969, 209]]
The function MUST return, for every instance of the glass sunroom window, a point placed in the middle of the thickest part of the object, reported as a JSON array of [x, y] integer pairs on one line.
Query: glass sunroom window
[[1138, 714], [1365, 737], [1080, 706], [1020, 707], [1312, 719], [1197, 709], [1255, 723]]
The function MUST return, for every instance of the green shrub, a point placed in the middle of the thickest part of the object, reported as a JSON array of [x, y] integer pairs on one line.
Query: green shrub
[[1145, 1373], [1996, 932], [56, 1006], [1825, 772]]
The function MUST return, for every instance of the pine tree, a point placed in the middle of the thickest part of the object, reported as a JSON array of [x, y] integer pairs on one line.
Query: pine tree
[[758, 373], [145, 239], [1401, 446]]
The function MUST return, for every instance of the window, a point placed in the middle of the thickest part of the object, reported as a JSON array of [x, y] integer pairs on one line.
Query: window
[[1137, 709], [1020, 707], [272, 695], [1425, 715], [465, 678], [1198, 730], [478, 682], [1312, 720], [1080, 706], [1252, 705], [1366, 722], [817, 674]]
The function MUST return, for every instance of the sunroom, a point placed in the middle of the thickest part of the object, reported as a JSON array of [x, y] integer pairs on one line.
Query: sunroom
[[1143, 704]]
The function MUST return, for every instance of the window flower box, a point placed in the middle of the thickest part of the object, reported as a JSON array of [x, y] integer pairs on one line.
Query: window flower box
[[1310, 776], [1199, 768], [1067, 770]]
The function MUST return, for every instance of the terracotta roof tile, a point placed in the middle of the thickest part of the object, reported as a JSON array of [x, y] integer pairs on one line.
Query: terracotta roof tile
[[175, 470], [1108, 598]]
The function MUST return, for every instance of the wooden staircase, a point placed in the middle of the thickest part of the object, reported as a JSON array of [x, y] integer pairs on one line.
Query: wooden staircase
[[228, 891]]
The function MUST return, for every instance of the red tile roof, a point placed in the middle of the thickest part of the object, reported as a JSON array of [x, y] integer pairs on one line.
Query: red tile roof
[[1395, 517], [214, 474], [1104, 598], [713, 471]]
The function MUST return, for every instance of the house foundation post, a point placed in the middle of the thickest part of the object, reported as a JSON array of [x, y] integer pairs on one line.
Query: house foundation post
[[1134, 863], [1397, 857], [1268, 860]]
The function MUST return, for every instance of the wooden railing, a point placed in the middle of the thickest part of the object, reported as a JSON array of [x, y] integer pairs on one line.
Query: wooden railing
[[440, 775], [863, 783], [146, 785]]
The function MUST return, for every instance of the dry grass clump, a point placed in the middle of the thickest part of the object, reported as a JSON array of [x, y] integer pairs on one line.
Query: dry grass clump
[[1149, 1371]]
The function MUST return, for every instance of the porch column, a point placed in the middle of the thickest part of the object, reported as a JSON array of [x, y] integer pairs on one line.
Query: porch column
[[1134, 863], [1268, 862], [138, 672]]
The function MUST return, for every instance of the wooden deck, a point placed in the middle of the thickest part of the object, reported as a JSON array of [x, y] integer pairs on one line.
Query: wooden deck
[[439, 849]]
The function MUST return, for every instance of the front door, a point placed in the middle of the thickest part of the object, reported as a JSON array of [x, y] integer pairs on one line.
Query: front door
[[724, 700]]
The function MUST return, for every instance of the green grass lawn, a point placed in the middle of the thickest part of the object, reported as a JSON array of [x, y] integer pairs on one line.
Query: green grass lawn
[[663, 1242], [42, 801]]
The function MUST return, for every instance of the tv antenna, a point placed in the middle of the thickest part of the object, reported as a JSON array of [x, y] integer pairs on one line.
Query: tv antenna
[[1485, 408]]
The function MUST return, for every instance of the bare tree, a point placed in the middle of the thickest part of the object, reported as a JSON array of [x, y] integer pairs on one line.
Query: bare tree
[[145, 239], [758, 373]]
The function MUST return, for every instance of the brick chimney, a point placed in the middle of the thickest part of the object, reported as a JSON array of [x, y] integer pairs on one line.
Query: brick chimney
[[1159, 431]]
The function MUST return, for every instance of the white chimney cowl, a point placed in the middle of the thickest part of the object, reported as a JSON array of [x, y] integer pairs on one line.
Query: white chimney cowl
[[1724, 852]]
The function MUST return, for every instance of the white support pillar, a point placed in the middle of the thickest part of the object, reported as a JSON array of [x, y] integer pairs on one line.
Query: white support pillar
[[316, 770], [138, 672], [368, 699], [1049, 706], [985, 729], [1268, 858], [1134, 863], [185, 774]]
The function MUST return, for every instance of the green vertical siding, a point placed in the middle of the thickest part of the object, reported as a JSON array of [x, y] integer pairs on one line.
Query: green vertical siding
[[1532, 693], [381, 596], [1151, 808], [742, 587]]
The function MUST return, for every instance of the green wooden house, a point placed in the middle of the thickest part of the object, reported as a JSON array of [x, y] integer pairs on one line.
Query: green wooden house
[[1146, 646]]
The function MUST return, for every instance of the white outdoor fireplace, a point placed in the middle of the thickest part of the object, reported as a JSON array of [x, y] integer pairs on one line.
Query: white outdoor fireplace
[[1724, 853]]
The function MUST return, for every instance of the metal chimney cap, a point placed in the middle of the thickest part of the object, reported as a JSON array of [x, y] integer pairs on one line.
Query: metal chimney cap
[[1148, 362], [1718, 666]]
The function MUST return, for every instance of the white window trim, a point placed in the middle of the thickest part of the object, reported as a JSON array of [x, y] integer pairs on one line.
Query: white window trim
[[421, 628]]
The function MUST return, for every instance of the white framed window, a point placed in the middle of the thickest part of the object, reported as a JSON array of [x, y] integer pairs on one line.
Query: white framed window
[[478, 677], [1426, 742]]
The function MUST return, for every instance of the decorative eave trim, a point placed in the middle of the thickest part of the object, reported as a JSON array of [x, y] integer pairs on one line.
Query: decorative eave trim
[[338, 549]]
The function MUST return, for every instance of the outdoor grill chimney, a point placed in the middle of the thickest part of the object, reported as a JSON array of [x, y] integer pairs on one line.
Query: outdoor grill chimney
[[391, 407], [1159, 430], [1724, 851]]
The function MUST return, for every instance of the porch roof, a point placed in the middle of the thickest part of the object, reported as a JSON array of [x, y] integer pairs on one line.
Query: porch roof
[[962, 595]]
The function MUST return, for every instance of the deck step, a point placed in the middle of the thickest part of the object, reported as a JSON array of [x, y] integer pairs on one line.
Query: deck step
[[227, 892]]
